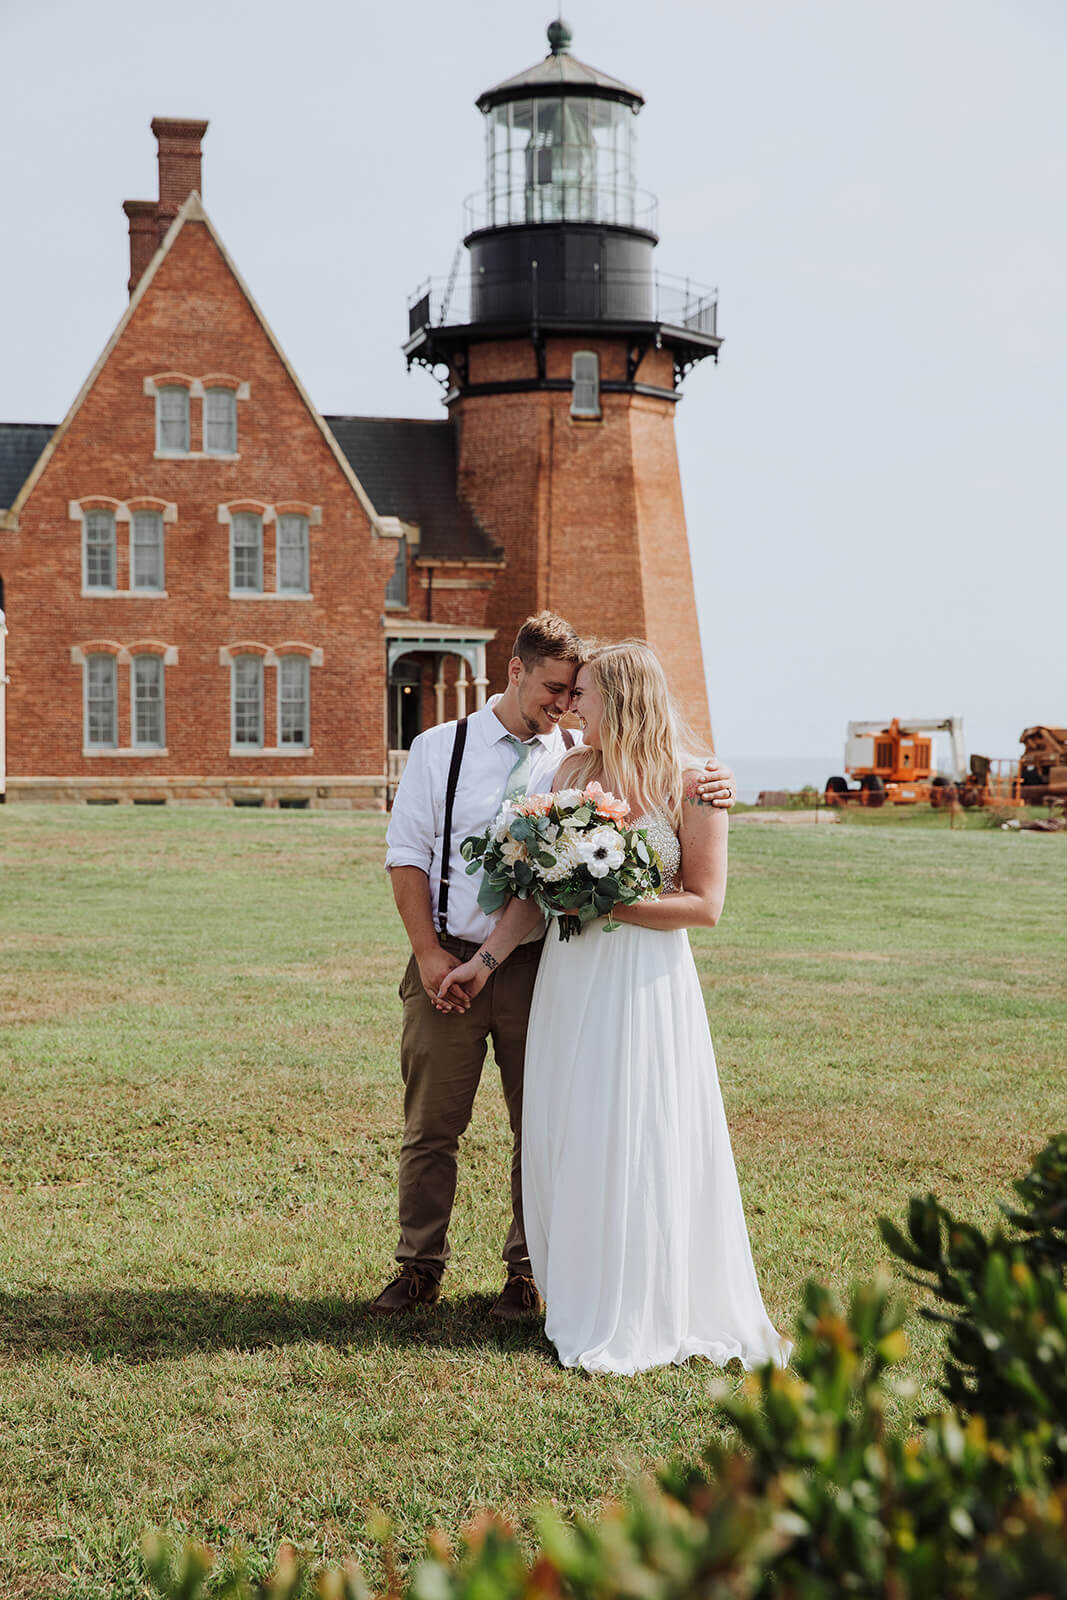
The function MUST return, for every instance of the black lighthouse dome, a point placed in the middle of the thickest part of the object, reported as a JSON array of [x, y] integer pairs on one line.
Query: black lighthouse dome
[[561, 236]]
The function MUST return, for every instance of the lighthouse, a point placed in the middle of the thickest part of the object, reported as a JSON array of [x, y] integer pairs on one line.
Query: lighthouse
[[562, 350]]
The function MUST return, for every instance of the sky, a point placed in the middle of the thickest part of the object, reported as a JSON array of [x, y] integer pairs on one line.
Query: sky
[[873, 473]]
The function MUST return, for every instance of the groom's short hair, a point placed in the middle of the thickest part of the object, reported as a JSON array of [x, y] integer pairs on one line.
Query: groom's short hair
[[546, 635]]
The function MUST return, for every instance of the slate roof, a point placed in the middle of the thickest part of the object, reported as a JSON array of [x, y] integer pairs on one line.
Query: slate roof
[[409, 469], [20, 445]]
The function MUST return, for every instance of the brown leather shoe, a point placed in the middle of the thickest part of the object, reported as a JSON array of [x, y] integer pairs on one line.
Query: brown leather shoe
[[519, 1300], [414, 1286]]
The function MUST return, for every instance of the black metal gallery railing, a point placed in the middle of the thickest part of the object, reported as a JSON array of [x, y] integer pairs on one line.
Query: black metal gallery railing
[[595, 295]]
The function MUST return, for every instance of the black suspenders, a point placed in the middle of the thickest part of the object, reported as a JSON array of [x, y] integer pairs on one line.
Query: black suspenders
[[450, 794], [446, 843]]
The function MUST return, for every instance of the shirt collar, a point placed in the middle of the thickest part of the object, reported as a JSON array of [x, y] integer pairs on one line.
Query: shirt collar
[[495, 730]]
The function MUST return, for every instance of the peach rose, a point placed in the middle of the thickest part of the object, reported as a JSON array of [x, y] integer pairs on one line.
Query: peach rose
[[606, 804], [535, 805]]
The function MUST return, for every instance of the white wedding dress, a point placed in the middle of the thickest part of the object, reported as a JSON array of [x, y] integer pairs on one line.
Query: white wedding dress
[[630, 1198]]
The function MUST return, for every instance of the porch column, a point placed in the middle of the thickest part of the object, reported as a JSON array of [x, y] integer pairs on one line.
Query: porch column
[[439, 691], [481, 682], [461, 688]]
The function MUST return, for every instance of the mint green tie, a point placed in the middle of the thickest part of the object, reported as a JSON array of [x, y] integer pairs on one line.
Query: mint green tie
[[519, 776]]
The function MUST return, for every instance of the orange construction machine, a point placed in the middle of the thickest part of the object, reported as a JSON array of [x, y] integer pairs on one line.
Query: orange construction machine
[[894, 762]]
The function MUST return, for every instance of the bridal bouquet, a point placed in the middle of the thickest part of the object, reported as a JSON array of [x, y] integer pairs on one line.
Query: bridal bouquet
[[570, 851]]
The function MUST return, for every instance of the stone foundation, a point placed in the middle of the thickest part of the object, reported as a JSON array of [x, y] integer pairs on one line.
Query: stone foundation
[[313, 794]]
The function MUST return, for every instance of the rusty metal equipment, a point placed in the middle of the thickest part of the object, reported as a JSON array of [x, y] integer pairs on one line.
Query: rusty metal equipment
[[1043, 767]]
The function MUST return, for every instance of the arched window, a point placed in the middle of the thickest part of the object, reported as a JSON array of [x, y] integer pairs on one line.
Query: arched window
[[220, 421], [101, 702], [247, 705], [146, 686], [585, 378], [172, 420]]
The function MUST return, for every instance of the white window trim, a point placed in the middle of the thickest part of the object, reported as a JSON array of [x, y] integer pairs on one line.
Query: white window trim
[[140, 591], [79, 658], [267, 515], [241, 594], [82, 515], [227, 656], [292, 594], [137, 746], [217, 455], [297, 749], [98, 749], [161, 453], [247, 749]]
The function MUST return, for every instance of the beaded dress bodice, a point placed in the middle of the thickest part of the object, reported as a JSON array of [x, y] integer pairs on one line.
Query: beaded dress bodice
[[664, 841]]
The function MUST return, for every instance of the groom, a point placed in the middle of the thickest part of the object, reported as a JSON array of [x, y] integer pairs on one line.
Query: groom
[[513, 745]]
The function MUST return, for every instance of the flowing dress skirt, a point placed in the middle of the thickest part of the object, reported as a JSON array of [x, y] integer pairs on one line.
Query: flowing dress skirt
[[632, 1209]]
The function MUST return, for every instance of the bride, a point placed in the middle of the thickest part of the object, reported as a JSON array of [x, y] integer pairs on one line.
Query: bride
[[632, 1209]]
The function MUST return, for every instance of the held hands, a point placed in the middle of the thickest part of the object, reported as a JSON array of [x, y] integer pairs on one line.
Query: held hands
[[718, 787], [434, 968], [461, 984]]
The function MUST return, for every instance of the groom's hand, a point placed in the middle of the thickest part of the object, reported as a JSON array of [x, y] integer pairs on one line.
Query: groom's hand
[[717, 787], [434, 965]]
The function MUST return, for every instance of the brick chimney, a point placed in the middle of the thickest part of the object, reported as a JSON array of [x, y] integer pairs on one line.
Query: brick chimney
[[142, 215], [179, 174], [179, 166]]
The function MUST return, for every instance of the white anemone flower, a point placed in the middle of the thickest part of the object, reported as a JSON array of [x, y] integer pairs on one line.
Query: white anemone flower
[[601, 850]]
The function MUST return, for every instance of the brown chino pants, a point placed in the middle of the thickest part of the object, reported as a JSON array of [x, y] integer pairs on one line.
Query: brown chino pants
[[441, 1056]]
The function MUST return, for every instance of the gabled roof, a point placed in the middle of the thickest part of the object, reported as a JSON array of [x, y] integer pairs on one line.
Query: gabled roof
[[21, 443], [191, 211], [409, 469]]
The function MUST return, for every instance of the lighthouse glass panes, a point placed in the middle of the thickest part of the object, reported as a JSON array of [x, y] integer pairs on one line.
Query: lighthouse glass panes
[[566, 159]]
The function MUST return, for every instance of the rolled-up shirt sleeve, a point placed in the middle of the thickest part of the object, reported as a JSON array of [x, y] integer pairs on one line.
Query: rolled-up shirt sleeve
[[412, 828]]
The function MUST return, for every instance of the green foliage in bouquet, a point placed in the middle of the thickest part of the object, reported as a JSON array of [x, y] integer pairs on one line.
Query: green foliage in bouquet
[[570, 852], [816, 1497]]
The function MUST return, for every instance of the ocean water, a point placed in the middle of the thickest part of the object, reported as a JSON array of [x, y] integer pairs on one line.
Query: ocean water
[[781, 772]]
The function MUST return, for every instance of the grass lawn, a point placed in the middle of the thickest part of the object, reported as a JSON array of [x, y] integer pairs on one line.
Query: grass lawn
[[199, 1124]]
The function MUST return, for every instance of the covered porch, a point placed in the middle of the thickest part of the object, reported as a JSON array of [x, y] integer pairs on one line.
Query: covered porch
[[435, 672]]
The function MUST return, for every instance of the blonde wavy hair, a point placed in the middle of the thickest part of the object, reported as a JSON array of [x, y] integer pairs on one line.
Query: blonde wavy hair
[[644, 744]]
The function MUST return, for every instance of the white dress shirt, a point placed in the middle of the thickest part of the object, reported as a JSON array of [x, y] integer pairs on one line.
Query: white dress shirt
[[416, 826]]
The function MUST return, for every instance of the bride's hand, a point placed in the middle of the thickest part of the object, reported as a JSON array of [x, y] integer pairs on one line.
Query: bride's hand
[[462, 984]]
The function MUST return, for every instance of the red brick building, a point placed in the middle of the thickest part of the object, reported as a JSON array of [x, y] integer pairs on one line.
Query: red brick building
[[211, 591]]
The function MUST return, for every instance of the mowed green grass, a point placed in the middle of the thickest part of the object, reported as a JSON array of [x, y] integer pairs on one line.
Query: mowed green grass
[[199, 1124]]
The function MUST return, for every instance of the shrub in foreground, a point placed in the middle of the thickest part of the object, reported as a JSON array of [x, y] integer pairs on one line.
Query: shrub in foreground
[[817, 1496]]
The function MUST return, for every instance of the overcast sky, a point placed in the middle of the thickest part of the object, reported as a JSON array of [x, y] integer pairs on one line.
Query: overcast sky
[[874, 473]]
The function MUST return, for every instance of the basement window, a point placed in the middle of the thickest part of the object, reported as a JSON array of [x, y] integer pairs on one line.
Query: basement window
[[585, 380]]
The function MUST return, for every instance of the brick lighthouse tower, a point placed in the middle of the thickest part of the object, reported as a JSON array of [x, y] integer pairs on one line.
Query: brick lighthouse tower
[[563, 350]]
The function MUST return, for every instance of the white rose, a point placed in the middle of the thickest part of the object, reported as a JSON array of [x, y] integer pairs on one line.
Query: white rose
[[567, 797], [601, 850]]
